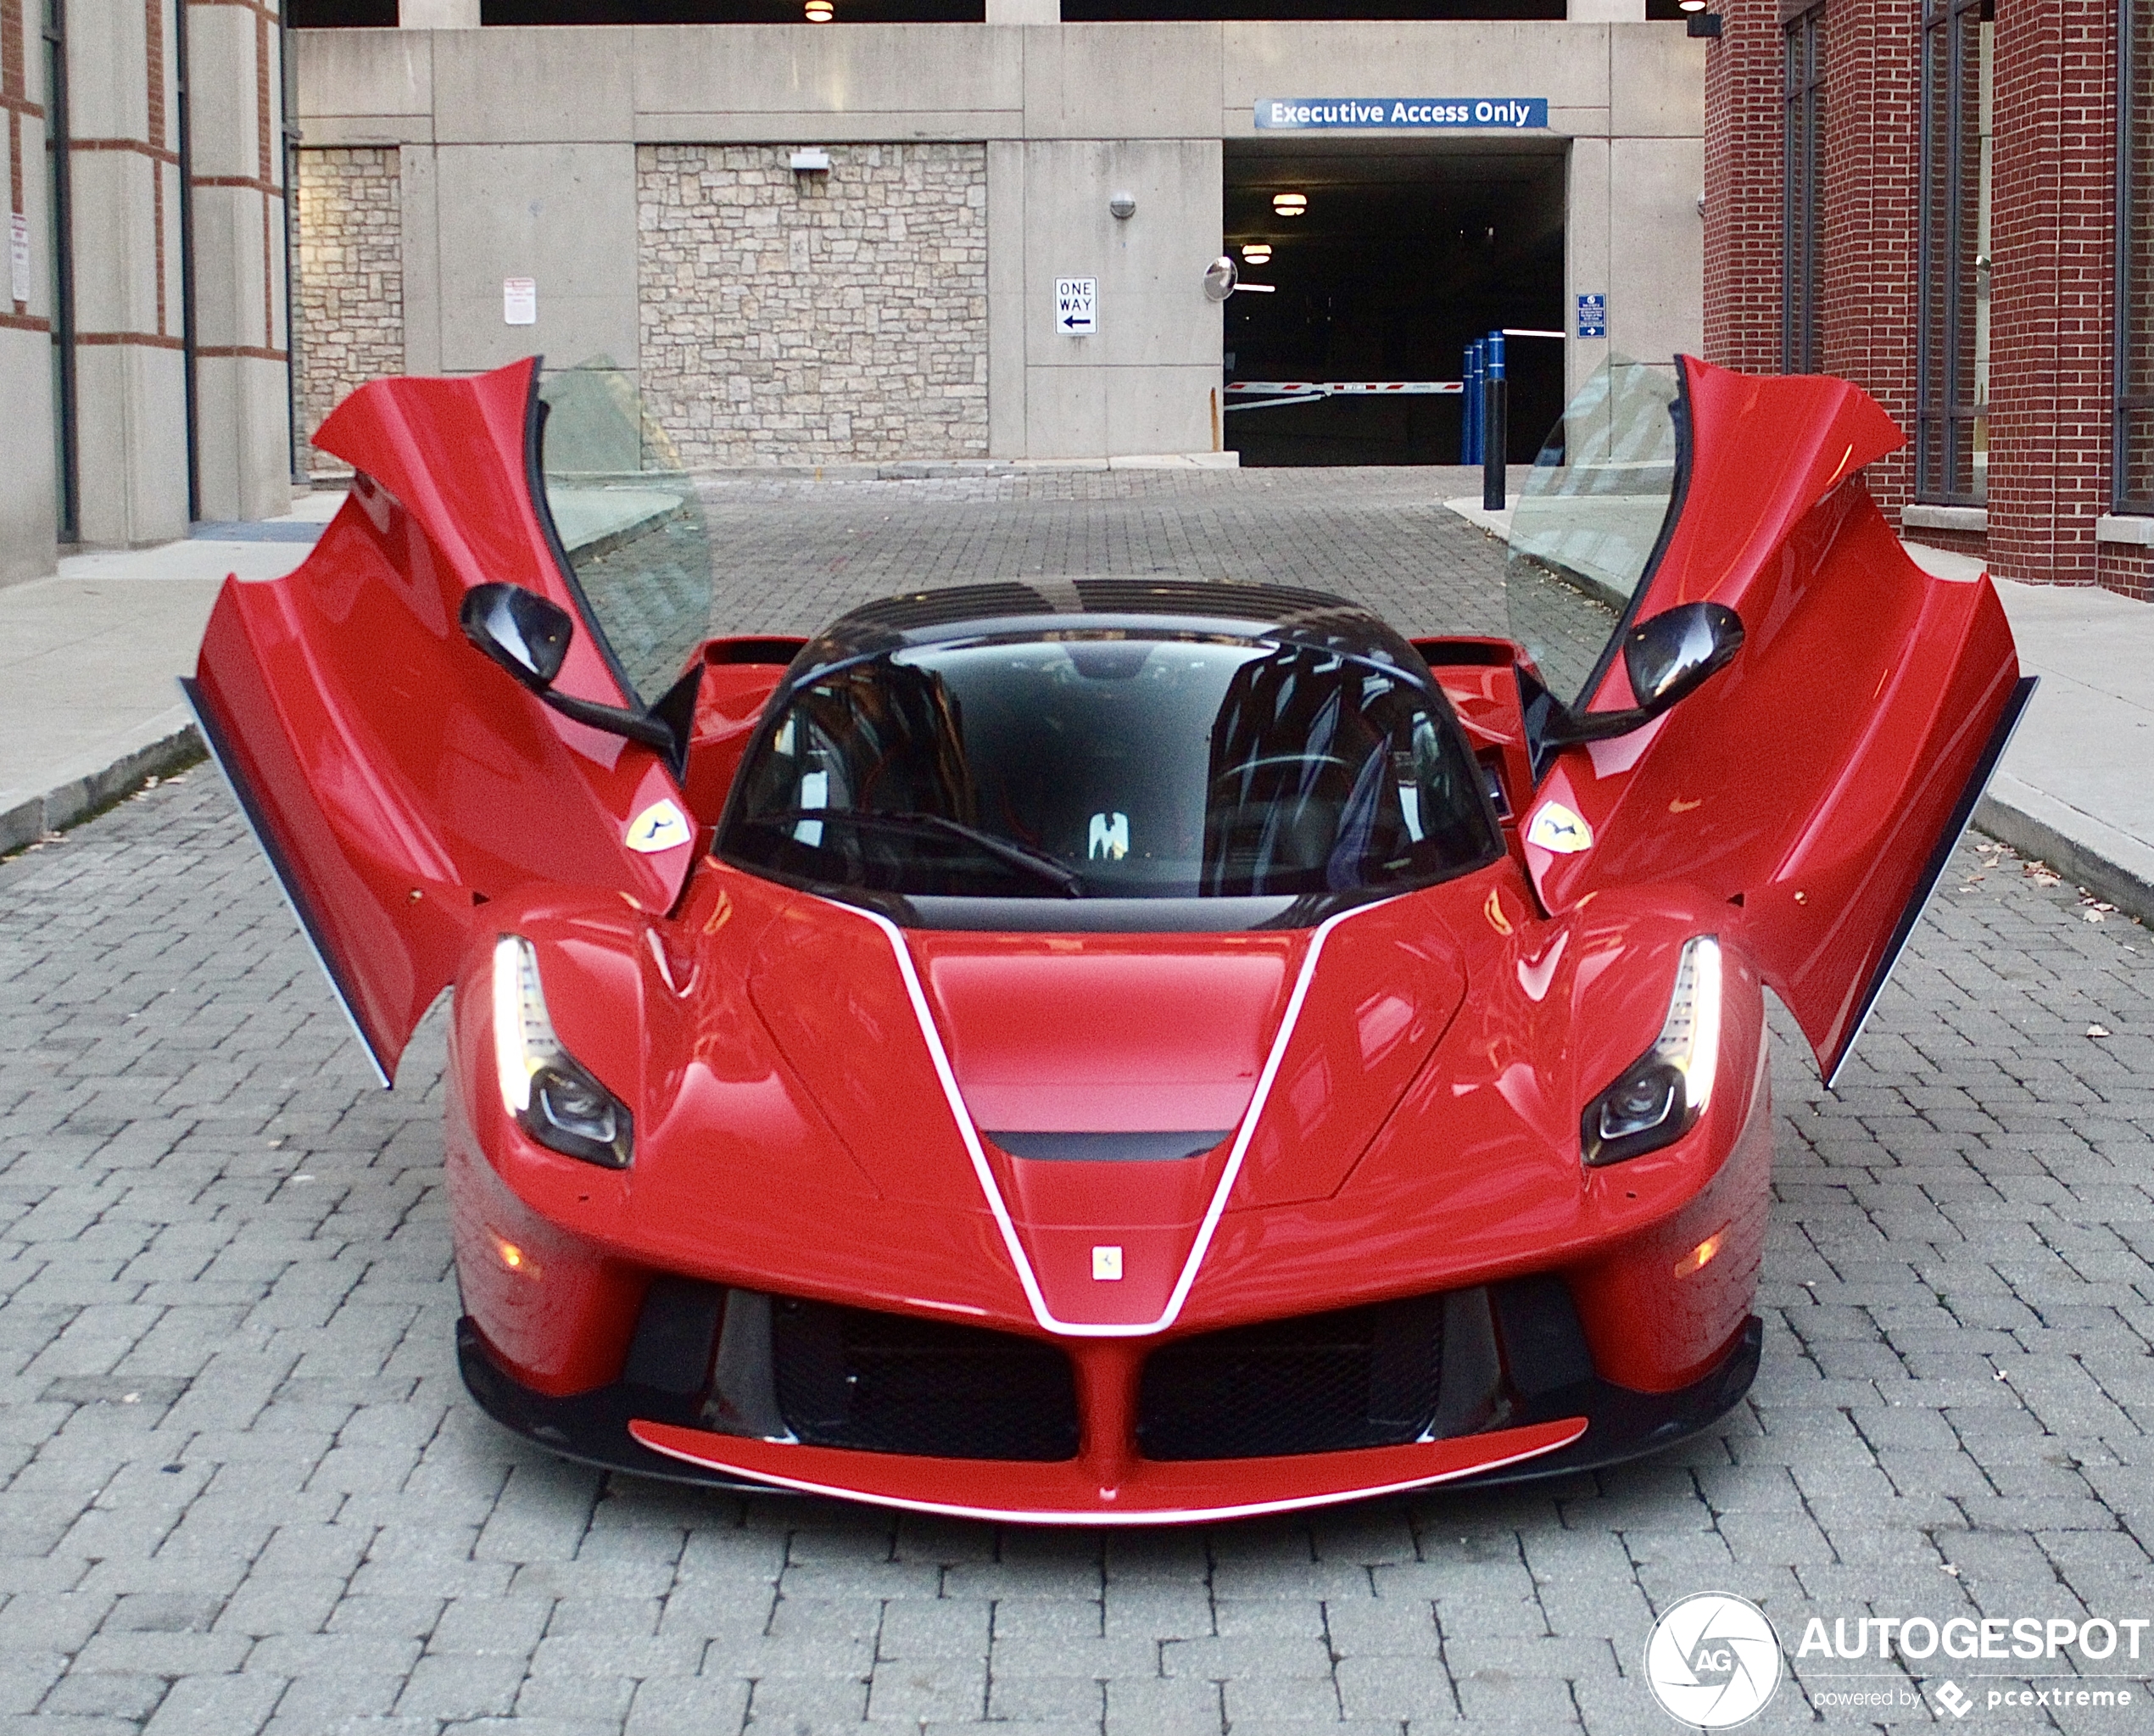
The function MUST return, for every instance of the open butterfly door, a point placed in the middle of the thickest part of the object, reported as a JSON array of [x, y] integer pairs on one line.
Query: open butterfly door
[[396, 779], [1820, 780]]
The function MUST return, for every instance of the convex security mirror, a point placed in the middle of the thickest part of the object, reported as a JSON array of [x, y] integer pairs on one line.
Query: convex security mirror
[[1667, 656], [1221, 277], [529, 635]]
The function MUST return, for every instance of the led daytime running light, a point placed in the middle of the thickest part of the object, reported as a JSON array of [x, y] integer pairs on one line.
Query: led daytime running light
[[524, 1035], [1689, 1040], [1659, 1098], [550, 1094]]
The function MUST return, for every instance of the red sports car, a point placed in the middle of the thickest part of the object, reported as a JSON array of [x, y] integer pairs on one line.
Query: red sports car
[[1112, 1050]]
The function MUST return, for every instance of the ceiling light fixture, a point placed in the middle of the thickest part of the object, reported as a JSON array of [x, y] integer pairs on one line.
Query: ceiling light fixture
[[819, 11], [1690, 5], [1257, 253], [1290, 204]]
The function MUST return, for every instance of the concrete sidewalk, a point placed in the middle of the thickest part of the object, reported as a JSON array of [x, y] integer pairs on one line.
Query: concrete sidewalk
[[90, 657]]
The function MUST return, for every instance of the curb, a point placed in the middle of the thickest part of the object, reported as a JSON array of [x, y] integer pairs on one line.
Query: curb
[[2131, 892], [28, 822]]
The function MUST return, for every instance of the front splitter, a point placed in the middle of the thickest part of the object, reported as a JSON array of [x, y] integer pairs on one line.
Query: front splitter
[[1579, 1428], [1065, 1492]]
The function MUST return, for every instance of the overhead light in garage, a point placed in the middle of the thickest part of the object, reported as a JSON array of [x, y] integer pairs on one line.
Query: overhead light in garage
[[818, 11], [1257, 253], [1290, 204]]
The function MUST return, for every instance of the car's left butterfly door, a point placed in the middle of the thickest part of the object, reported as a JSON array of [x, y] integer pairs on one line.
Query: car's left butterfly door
[[397, 780]]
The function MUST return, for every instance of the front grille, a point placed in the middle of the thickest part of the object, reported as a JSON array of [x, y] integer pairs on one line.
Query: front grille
[[1322, 1383], [892, 1383]]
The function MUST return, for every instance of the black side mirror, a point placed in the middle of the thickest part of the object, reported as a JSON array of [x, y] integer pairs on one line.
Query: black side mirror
[[525, 633], [529, 635], [1669, 655]]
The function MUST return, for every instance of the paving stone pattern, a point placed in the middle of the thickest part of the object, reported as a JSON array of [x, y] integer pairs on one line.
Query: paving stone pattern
[[242, 1490]]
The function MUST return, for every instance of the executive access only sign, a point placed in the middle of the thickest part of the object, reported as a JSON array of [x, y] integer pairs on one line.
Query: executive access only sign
[[1384, 114]]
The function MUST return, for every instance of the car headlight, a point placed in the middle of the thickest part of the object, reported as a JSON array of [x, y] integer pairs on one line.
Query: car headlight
[[1658, 1097], [553, 1096]]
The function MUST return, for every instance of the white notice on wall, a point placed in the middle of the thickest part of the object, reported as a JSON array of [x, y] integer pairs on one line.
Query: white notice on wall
[[19, 257], [1076, 306], [519, 301]]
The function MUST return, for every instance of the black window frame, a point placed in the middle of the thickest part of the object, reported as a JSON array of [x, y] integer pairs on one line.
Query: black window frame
[[1802, 198], [1948, 268], [2131, 287]]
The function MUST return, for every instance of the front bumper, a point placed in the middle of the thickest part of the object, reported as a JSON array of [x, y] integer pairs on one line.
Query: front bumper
[[1577, 1425]]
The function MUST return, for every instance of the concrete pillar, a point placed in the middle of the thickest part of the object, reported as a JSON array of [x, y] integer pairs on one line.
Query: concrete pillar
[[28, 514], [129, 369], [243, 405]]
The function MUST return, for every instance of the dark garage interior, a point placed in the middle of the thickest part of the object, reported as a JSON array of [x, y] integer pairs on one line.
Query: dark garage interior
[[1408, 251]]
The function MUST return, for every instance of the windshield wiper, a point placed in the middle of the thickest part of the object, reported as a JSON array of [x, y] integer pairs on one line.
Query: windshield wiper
[[1036, 863]]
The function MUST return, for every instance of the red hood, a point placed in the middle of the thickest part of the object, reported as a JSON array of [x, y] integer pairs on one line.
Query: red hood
[[1057, 1043]]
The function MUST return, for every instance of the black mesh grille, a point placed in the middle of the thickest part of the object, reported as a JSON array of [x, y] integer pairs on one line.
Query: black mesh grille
[[891, 1383], [1323, 1383]]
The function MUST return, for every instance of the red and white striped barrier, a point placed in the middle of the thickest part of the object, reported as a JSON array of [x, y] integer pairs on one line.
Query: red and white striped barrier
[[1265, 395]]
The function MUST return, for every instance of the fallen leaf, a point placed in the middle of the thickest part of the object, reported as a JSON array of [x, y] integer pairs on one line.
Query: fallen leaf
[[2093, 916], [2097, 1030]]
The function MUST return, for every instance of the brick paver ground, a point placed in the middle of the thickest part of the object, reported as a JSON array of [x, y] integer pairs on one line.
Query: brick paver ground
[[241, 1488]]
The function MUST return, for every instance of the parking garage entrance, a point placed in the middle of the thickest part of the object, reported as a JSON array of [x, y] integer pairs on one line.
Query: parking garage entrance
[[1387, 258]]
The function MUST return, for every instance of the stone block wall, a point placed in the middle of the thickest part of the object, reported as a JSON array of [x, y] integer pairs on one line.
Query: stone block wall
[[810, 318], [351, 277]]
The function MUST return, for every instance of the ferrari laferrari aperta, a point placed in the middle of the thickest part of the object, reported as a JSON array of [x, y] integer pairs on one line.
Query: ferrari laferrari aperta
[[1100, 1050]]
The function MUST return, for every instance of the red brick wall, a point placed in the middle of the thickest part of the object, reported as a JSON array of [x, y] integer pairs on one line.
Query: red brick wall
[[1872, 97], [2128, 570], [2051, 227], [1744, 141]]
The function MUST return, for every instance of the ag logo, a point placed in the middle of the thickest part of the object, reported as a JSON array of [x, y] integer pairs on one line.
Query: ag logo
[[659, 827], [1713, 1660]]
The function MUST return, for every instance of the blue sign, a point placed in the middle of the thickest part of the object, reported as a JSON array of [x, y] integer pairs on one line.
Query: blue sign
[[1515, 113], [1592, 316]]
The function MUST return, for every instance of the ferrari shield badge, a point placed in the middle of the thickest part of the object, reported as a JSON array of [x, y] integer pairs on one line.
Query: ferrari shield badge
[[659, 827], [1555, 828]]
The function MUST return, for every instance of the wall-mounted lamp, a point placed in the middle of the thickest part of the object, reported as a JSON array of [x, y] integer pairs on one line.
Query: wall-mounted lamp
[[813, 160], [1290, 204], [1123, 204]]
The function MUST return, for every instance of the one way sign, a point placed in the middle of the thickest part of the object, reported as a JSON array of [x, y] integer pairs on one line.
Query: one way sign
[[1076, 306]]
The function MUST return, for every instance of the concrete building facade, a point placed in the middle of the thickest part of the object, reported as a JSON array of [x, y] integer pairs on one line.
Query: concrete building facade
[[631, 190], [143, 346]]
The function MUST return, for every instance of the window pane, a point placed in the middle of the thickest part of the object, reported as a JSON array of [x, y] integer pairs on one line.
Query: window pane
[[2133, 485], [1952, 397]]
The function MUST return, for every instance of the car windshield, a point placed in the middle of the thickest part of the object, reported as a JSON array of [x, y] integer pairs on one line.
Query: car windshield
[[1107, 765], [630, 522], [1587, 521]]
